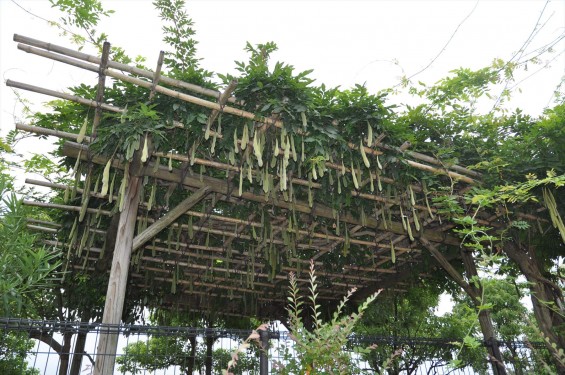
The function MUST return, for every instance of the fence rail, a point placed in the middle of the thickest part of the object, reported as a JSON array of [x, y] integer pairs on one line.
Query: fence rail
[[34, 347]]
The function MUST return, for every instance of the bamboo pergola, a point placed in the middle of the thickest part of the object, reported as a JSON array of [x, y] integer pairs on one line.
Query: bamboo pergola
[[221, 246]]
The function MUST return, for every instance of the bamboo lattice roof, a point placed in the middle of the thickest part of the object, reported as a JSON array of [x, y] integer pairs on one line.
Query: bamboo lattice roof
[[230, 251]]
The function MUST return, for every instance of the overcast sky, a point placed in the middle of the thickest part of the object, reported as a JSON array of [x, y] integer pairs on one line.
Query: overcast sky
[[345, 42]]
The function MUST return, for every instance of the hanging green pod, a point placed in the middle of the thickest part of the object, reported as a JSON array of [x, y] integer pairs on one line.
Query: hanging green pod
[[353, 175], [364, 155], [409, 230], [190, 228], [240, 181], [244, 137], [392, 253], [82, 132], [416, 220], [412, 198], [145, 150], [106, 178], [235, 143]]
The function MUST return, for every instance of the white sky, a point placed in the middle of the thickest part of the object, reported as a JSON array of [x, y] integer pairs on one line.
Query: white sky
[[345, 42]]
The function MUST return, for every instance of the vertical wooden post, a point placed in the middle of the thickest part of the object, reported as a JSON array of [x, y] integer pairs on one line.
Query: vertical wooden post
[[113, 308], [264, 352]]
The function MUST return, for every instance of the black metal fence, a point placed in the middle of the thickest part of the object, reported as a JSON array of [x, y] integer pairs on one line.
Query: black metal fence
[[33, 347]]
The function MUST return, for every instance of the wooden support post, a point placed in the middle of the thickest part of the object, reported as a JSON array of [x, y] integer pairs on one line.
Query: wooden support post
[[100, 89], [485, 321], [171, 216], [117, 285]]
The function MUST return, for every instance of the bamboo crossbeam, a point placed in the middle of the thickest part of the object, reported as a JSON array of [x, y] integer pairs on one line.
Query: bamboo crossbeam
[[41, 229], [57, 94], [65, 207], [44, 222], [243, 260], [51, 132], [118, 66]]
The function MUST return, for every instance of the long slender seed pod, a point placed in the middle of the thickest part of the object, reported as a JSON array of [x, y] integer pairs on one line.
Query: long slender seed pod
[[294, 154], [82, 132], [304, 121], [364, 155], [145, 151], [106, 178], [392, 253], [240, 181], [235, 144], [244, 137], [353, 175], [409, 230], [416, 220]]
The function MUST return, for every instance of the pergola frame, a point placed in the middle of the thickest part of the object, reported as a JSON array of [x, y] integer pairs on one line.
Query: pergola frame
[[232, 273]]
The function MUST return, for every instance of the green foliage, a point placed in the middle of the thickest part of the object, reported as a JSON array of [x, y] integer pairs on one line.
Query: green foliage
[[14, 347], [321, 349], [26, 268], [83, 14], [157, 353], [177, 34]]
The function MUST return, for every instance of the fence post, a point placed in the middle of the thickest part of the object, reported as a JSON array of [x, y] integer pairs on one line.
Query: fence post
[[264, 352]]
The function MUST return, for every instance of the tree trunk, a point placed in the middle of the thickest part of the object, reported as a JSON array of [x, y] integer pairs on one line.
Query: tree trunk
[[485, 321], [208, 359], [191, 356], [78, 353], [544, 294], [64, 355]]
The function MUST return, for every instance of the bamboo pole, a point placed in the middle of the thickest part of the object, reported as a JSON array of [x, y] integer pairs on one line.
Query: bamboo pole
[[51, 132], [118, 66], [222, 100], [56, 94], [100, 89], [230, 110], [157, 75], [65, 207]]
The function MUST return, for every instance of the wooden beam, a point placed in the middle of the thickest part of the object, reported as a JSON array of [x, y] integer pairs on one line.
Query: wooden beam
[[171, 216]]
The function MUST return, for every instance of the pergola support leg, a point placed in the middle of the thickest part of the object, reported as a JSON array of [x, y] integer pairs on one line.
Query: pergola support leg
[[117, 285]]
